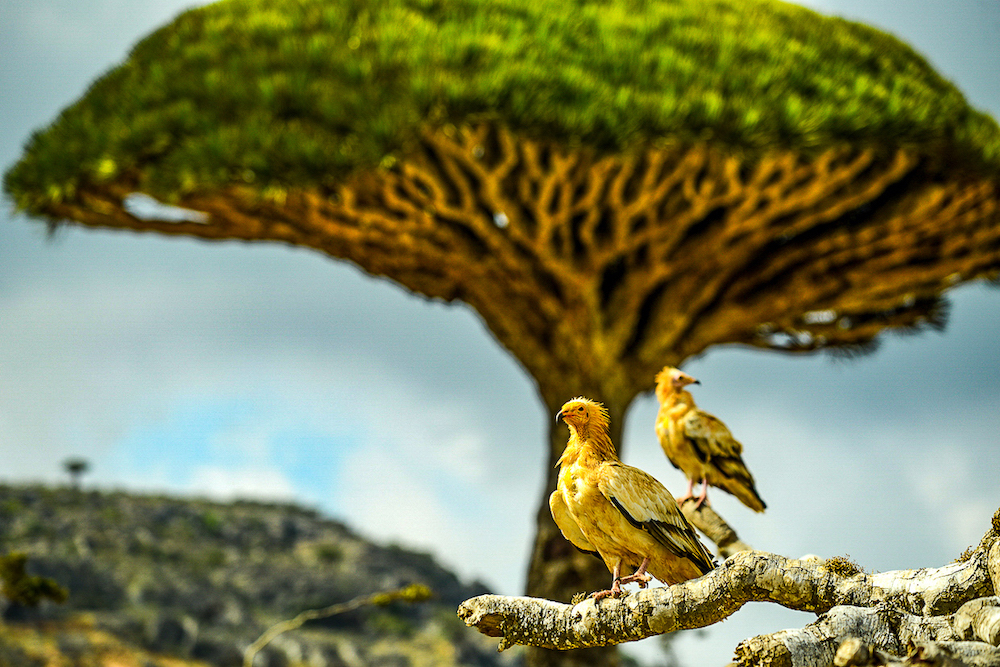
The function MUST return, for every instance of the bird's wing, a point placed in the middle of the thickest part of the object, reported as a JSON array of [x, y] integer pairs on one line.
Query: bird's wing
[[663, 427], [567, 524], [712, 440], [709, 436], [734, 477], [647, 505]]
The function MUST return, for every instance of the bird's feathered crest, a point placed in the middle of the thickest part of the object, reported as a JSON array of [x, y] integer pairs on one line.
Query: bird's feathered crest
[[596, 409], [664, 375]]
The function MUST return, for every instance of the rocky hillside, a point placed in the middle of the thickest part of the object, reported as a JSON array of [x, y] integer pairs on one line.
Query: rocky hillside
[[170, 582]]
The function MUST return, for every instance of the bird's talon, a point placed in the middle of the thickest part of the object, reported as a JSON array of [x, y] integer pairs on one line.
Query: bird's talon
[[600, 595], [640, 578]]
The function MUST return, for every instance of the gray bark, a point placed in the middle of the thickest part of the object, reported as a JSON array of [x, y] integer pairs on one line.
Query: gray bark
[[856, 653]]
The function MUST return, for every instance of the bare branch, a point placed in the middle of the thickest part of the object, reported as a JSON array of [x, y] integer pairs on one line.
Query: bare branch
[[747, 576], [856, 653], [979, 619], [941, 617], [818, 642], [411, 593]]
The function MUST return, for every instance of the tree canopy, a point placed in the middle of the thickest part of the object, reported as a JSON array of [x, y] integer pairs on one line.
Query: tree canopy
[[287, 93]]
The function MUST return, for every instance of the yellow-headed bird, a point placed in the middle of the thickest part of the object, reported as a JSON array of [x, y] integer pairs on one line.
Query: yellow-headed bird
[[699, 444], [618, 512]]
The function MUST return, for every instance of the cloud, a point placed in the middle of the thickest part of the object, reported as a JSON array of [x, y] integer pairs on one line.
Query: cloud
[[949, 484], [388, 495], [229, 483], [387, 498], [430, 475]]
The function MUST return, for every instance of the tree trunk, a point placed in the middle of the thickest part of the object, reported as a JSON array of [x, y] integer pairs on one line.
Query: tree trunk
[[558, 571]]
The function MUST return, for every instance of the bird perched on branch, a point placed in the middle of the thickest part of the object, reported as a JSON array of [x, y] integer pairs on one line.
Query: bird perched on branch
[[618, 512], [699, 444]]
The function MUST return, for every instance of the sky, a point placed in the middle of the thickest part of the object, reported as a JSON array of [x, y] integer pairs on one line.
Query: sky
[[264, 371]]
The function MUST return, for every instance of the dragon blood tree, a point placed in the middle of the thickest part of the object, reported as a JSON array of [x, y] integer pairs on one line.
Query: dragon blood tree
[[611, 186]]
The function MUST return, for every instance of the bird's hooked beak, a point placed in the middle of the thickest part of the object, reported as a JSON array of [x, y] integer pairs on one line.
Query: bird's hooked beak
[[559, 416], [681, 380]]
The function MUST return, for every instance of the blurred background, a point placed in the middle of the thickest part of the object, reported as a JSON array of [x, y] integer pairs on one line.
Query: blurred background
[[261, 371]]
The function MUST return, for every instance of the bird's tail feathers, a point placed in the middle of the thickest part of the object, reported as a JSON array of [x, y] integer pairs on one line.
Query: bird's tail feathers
[[738, 481]]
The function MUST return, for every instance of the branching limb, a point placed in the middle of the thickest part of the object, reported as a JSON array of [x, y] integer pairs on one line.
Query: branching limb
[[941, 641], [943, 617], [855, 653], [747, 576], [411, 593]]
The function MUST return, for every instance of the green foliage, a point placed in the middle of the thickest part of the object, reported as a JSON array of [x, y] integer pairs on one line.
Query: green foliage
[[141, 563], [390, 624], [10, 507], [278, 93], [24, 589], [966, 555], [215, 558], [111, 515], [329, 553], [412, 593], [211, 522]]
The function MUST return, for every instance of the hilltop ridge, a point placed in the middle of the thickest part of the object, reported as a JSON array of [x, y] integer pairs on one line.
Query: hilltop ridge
[[159, 581]]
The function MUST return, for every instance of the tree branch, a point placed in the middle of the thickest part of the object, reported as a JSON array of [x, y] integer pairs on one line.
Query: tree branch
[[818, 642], [411, 593], [907, 596], [855, 653], [979, 619]]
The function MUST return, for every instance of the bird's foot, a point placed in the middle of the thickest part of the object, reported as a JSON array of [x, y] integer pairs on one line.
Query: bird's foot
[[640, 578], [700, 502], [687, 494], [703, 497], [681, 499], [614, 592]]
